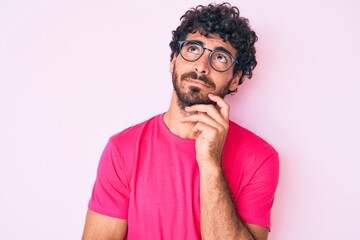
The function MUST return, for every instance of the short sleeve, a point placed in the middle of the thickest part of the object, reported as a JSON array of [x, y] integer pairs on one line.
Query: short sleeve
[[256, 198], [110, 195]]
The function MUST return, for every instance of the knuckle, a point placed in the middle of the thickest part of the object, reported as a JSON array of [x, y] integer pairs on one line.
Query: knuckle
[[224, 128]]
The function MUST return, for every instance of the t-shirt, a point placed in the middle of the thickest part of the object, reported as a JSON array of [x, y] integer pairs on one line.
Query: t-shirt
[[150, 176]]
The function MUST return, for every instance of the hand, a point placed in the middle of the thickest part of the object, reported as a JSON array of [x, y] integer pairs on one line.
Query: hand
[[210, 130]]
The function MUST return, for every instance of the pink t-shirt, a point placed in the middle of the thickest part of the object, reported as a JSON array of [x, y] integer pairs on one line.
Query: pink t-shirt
[[150, 177]]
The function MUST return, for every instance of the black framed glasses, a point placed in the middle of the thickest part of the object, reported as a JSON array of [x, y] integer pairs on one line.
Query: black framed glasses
[[219, 60]]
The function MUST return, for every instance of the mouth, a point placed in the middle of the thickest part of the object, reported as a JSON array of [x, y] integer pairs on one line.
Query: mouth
[[197, 82]]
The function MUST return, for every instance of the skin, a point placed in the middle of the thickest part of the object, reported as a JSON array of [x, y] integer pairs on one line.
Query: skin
[[101, 227], [208, 124]]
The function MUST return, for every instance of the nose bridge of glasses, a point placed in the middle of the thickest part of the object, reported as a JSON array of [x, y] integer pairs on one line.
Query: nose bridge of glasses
[[206, 58], [210, 51], [202, 63]]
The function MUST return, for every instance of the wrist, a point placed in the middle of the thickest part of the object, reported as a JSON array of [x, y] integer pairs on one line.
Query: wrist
[[210, 168]]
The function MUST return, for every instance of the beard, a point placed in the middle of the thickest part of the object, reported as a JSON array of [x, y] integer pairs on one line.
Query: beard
[[195, 95]]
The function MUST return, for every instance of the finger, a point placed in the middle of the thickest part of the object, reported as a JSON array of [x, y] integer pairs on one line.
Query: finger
[[203, 118], [210, 110], [222, 104], [206, 131]]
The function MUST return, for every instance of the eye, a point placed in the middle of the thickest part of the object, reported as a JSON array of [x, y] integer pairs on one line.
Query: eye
[[221, 57], [193, 48]]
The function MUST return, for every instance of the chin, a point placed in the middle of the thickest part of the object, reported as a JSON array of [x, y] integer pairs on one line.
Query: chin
[[190, 99]]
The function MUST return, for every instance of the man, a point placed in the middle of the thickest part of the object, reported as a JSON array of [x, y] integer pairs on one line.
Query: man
[[191, 173]]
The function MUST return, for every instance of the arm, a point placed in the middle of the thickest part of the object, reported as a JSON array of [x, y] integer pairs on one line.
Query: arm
[[98, 226], [219, 218]]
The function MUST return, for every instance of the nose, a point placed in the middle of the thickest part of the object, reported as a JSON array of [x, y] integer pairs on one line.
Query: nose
[[202, 65]]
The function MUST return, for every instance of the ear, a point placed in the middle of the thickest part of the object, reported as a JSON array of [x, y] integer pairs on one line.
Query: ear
[[235, 81], [172, 64]]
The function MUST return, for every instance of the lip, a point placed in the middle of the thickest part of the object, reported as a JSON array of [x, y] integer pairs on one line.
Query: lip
[[197, 82]]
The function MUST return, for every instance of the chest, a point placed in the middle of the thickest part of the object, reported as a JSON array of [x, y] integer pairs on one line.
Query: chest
[[164, 191]]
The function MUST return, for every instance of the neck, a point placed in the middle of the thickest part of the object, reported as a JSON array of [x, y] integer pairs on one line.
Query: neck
[[172, 119]]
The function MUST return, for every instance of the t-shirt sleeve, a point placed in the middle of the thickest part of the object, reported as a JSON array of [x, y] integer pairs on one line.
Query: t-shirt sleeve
[[110, 195], [256, 198]]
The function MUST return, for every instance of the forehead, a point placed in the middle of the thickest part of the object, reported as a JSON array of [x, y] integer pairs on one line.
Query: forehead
[[212, 42]]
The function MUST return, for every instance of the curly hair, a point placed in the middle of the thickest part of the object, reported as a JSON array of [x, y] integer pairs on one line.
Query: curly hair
[[224, 20]]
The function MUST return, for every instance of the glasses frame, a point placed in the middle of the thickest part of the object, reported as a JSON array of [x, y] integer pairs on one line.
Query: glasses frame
[[181, 44]]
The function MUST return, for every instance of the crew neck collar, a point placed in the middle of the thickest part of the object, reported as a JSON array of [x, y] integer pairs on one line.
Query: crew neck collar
[[166, 131]]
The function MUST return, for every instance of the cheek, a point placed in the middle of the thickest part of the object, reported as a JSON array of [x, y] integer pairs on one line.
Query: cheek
[[222, 82], [221, 78], [183, 65]]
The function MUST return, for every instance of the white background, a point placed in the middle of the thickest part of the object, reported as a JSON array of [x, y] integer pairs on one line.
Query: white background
[[73, 73]]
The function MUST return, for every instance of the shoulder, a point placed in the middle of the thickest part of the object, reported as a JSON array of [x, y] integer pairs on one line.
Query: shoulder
[[122, 147], [248, 148], [131, 134], [241, 136]]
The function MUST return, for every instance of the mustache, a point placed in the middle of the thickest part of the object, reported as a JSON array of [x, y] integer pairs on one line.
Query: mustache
[[202, 78]]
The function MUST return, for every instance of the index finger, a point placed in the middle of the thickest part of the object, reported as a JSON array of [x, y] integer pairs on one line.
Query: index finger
[[224, 107]]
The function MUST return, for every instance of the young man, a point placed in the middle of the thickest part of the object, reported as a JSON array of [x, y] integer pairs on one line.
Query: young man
[[190, 173]]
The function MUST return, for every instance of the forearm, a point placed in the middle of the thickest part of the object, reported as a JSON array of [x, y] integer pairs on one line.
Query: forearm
[[219, 219]]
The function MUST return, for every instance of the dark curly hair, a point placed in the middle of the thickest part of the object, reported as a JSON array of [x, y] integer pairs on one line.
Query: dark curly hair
[[224, 20]]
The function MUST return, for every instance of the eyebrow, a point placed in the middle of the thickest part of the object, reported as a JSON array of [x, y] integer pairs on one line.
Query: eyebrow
[[217, 48]]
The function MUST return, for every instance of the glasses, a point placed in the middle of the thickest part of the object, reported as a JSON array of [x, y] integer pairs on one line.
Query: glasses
[[220, 60]]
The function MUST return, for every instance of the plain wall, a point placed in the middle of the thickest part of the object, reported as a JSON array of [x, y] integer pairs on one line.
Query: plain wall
[[73, 73]]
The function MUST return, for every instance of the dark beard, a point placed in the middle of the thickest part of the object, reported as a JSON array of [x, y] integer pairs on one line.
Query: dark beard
[[193, 95]]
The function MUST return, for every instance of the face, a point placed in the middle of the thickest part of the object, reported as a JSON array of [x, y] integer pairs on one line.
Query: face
[[193, 81]]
